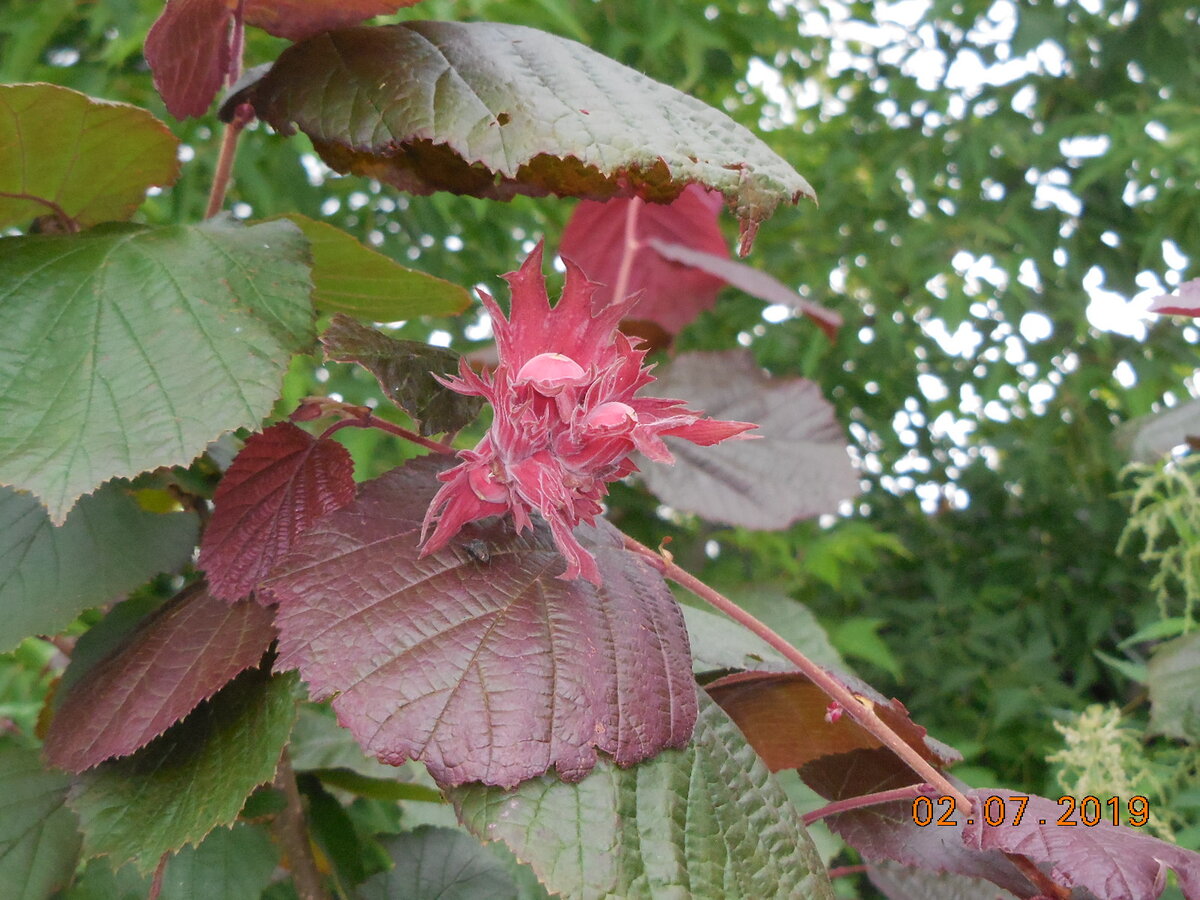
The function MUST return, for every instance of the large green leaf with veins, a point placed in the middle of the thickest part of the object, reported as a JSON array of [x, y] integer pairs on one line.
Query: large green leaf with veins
[[497, 110], [708, 821], [125, 348]]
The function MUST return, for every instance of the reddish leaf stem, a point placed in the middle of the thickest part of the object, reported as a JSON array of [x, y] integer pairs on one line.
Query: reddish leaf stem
[[68, 224], [841, 806], [242, 116], [632, 245], [156, 883], [291, 831], [1039, 878], [843, 871], [370, 421], [860, 712]]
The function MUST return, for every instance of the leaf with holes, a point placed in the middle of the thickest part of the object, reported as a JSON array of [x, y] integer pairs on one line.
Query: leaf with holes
[[672, 295], [283, 480], [496, 110], [107, 546], [133, 347], [1113, 862], [82, 160], [731, 830], [39, 835], [349, 277], [476, 659], [182, 654], [405, 370], [798, 469], [190, 780], [783, 716]]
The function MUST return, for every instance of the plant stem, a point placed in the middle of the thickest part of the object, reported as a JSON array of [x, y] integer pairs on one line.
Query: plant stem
[[843, 871], [1039, 878], [157, 882], [632, 245], [370, 421], [216, 195], [860, 711], [69, 225], [291, 830], [841, 806]]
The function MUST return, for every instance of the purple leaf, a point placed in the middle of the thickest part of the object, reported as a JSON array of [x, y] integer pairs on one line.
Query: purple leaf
[[749, 279], [888, 832], [1113, 862], [798, 469], [672, 295], [183, 653], [1184, 303], [476, 659], [283, 480], [188, 50]]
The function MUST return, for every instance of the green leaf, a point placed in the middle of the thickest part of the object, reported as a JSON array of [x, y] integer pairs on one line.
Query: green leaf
[[125, 347], [349, 277], [82, 160], [107, 546], [440, 864], [193, 778], [405, 371], [39, 835], [708, 821], [495, 110], [858, 637], [231, 864], [1173, 679]]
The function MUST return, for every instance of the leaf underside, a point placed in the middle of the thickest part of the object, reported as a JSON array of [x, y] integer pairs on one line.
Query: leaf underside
[[797, 467], [182, 654], [477, 660], [125, 348], [497, 110], [706, 821], [65, 153], [1173, 680]]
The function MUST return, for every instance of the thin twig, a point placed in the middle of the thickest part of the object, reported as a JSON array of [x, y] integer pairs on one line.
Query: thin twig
[[242, 116], [843, 871], [157, 882], [68, 224], [1039, 878], [629, 251], [860, 711], [291, 830], [370, 421], [863, 800]]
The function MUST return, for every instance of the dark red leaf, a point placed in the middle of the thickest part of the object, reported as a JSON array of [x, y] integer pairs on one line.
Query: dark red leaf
[[477, 660], [672, 294], [283, 480], [897, 882], [1113, 862], [1186, 302], [749, 279], [299, 19], [181, 655], [188, 50], [783, 716], [797, 466]]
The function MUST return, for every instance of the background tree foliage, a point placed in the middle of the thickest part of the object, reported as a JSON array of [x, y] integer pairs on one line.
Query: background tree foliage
[[991, 176]]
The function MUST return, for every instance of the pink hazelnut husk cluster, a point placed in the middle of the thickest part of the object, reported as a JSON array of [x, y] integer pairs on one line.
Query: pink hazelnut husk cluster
[[566, 417]]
